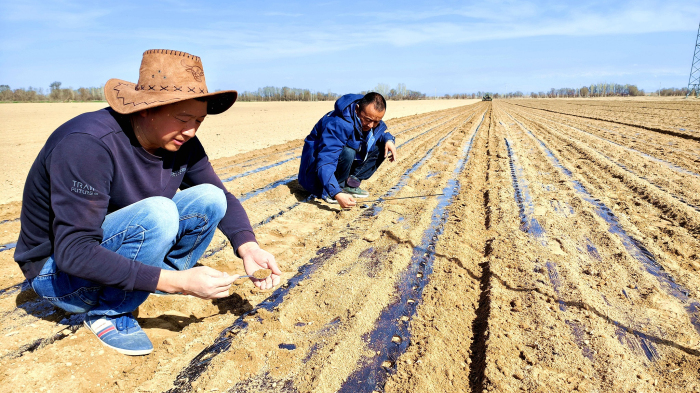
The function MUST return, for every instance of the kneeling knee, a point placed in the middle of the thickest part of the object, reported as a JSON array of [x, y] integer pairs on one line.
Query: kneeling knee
[[348, 154], [212, 199], [160, 217]]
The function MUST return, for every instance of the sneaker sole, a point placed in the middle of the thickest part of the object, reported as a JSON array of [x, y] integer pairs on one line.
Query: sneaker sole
[[130, 352]]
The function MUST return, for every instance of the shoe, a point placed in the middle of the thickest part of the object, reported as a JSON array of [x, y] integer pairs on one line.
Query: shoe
[[330, 200], [356, 192], [121, 333]]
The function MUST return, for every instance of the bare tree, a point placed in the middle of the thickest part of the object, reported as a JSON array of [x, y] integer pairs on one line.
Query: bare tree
[[382, 88]]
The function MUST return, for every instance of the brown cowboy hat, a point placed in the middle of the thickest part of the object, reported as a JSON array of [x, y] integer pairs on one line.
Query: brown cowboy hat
[[166, 77]]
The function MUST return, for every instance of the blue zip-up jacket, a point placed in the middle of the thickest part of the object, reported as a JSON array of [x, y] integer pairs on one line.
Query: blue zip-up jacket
[[337, 129]]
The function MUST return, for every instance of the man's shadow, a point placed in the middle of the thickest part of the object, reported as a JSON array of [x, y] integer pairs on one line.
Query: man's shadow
[[303, 196], [32, 305], [233, 305], [299, 193]]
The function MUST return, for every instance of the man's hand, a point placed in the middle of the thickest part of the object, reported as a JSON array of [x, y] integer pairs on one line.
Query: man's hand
[[345, 200], [390, 147], [202, 282], [255, 258]]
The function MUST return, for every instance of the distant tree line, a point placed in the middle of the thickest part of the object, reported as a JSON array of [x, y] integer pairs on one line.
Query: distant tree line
[[54, 94], [272, 93], [597, 90], [593, 90], [672, 91], [400, 92]]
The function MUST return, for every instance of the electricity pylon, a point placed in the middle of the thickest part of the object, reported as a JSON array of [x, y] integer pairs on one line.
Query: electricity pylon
[[694, 80]]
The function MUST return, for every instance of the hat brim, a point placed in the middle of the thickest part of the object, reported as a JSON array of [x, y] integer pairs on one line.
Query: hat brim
[[123, 97]]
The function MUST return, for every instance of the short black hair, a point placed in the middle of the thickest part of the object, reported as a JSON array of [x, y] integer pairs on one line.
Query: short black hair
[[372, 97]]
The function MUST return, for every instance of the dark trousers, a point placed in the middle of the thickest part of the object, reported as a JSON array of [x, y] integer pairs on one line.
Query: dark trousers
[[362, 170]]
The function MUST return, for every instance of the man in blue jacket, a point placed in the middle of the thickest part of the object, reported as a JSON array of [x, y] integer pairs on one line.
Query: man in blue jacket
[[345, 147]]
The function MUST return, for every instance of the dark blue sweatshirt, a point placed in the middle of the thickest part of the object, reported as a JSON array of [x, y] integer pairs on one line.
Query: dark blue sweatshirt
[[89, 167]]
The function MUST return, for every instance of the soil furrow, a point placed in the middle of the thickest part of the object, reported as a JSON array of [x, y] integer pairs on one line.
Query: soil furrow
[[531, 225], [391, 336], [638, 329], [684, 214], [666, 131], [690, 189], [633, 246], [624, 139]]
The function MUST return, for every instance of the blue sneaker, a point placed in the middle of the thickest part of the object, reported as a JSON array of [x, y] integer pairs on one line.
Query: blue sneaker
[[121, 333]]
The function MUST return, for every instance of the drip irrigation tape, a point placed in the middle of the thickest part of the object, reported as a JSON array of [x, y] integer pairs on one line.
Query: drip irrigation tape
[[407, 197]]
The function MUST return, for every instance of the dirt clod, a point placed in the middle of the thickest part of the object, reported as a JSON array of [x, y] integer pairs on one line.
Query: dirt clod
[[262, 274]]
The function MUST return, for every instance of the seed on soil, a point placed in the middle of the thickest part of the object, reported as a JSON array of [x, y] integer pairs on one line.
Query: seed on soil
[[516, 304], [372, 236]]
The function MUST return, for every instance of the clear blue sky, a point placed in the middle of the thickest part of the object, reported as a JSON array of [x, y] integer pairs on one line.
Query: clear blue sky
[[345, 46]]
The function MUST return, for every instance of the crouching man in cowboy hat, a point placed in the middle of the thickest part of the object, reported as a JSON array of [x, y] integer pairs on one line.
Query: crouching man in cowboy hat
[[102, 224]]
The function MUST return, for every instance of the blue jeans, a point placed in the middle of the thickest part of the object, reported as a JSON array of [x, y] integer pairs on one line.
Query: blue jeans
[[156, 231], [362, 170]]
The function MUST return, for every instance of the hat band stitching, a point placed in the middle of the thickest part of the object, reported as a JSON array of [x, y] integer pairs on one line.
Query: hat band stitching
[[174, 89], [135, 104]]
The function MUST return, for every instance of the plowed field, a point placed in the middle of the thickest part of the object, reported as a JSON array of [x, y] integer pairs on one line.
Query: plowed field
[[557, 250]]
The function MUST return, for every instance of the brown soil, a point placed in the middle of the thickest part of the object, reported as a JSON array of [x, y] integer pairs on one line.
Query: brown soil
[[262, 274], [525, 283]]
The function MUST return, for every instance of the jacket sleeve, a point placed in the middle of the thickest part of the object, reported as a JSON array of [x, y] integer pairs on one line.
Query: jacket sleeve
[[386, 135], [235, 224], [80, 169], [333, 139]]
